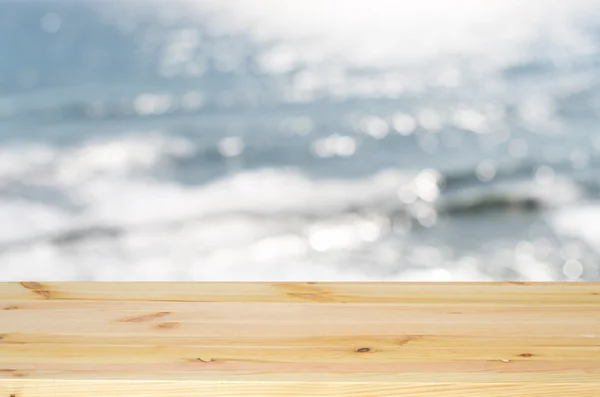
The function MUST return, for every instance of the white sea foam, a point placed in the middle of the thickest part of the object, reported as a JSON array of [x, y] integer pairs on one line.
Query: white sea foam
[[579, 222], [255, 225]]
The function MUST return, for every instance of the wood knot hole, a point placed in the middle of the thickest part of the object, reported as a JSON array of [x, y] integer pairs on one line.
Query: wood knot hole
[[363, 350]]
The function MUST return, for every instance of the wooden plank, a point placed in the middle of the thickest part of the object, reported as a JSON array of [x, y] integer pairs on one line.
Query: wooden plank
[[299, 339]]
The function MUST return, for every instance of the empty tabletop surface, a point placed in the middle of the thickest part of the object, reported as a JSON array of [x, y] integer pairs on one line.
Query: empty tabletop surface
[[299, 339]]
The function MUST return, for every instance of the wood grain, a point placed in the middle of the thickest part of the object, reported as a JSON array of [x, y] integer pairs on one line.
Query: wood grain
[[299, 339]]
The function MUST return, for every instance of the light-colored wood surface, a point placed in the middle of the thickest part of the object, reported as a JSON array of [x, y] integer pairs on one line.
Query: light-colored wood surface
[[299, 339]]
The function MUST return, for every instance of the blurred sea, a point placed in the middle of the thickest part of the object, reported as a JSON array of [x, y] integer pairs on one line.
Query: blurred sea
[[300, 140]]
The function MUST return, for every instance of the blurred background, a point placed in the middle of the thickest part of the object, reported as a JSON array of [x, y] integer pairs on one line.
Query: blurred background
[[300, 140]]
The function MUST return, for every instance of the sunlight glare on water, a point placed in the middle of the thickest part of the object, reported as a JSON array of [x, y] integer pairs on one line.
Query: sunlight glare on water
[[317, 139]]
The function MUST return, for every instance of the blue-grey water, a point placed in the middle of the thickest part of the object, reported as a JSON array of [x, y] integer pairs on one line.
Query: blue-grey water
[[280, 140]]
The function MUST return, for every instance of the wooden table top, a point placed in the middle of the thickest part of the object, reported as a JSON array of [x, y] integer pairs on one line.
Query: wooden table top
[[299, 339]]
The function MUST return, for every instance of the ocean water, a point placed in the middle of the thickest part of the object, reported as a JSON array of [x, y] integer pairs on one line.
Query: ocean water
[[300, 140]]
